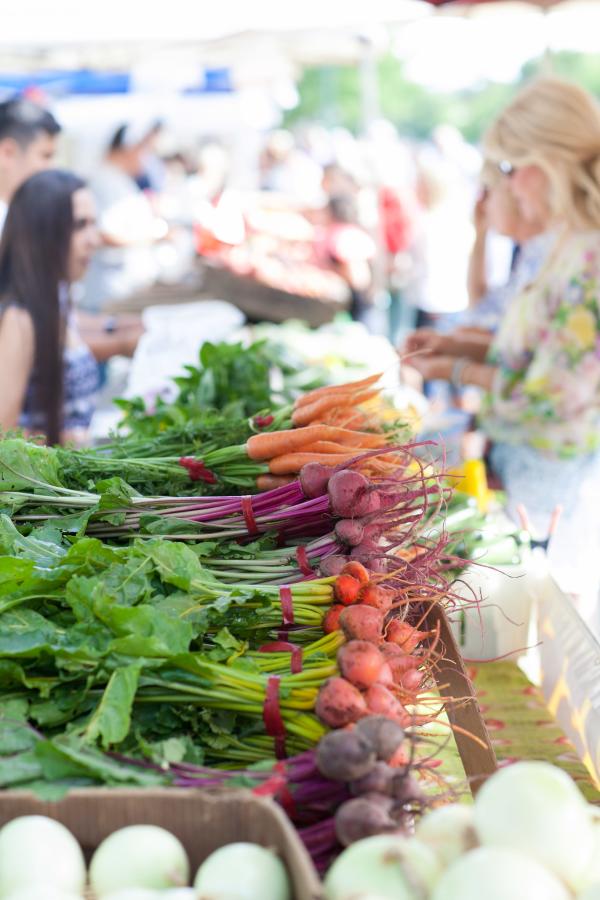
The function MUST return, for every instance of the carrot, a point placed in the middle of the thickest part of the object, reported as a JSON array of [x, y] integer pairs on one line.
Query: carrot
[[331, 447], [290, 463], [304, 415], [311, 396], [269, 482], [275, 443]]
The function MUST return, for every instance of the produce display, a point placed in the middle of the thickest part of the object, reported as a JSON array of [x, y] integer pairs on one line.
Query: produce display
[[41, 860], [236, 591], [530, 834]]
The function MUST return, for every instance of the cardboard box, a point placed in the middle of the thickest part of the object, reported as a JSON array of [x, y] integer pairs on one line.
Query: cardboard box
[[454, 685], [202, 820]]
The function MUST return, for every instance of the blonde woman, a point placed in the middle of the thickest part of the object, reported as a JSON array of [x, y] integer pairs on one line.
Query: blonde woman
[[541, 371]]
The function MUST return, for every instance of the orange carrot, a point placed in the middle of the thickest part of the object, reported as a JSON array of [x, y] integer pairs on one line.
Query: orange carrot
[[331, 447], [329, 389], [306, 414], [268, 482], [290, 463], [274, 443]]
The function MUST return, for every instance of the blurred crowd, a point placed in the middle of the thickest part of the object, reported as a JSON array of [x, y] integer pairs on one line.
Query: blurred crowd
[[489, 259]]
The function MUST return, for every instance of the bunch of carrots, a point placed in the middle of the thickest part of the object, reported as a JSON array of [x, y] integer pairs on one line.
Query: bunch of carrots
[[331, 427]]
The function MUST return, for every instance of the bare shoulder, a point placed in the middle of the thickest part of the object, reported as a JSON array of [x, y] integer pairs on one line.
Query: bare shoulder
[[16, 324]]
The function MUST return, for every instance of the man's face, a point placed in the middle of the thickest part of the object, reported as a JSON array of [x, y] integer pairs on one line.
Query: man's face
[[20, 163]]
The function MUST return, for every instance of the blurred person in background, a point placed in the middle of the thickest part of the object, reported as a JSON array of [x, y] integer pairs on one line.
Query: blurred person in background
[[349, 250], [497, 211], [286, 169], [129, 228], [541, 371], [443, 237], [48, 376], [28, 143]]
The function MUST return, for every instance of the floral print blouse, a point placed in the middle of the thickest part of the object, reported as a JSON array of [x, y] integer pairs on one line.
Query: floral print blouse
[[546, 391]]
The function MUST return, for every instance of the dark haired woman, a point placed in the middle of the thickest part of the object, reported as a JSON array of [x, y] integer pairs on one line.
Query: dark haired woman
[[48, 376]]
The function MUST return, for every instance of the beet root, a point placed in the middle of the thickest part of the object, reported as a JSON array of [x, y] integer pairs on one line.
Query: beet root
[[331, 622], [380, 780], [385, 735], [345, 489], [350, 531], [360, 663], [314, 479], [346, 589], [345, 755], [339, 703], [360, 818], [362, 623], [377, 597], [332, 566], [381, 701]]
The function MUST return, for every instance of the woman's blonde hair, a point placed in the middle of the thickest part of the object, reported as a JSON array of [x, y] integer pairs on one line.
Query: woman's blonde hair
[[555, 125]]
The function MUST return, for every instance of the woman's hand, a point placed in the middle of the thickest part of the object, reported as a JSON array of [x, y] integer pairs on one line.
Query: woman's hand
[[427, 341], [432, 367]]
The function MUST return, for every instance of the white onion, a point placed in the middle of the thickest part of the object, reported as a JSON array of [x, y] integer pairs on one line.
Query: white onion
[[34, 847], [242, 871], [535, 808], [449, 831], [497, 874], [591, 875], [388, 866], [142, 856], [42, 891], [134, 893], [590, 893]]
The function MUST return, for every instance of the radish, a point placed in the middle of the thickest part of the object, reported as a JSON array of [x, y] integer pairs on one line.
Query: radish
[[497, 874], [519, 808], [382, 702], [339, 703], [138, 856], [360, 663], [449, 831], [345, 489], [32, 847], [387, 866], [345, 755], [385, 735], [242, 871], [331, 622], [360, 818], [362, 623], [346, 589], [314, 479]]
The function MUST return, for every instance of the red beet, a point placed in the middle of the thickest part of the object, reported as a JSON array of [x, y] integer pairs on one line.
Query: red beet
[[346, 589]]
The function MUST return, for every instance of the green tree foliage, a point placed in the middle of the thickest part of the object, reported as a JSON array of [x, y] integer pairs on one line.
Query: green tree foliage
[[332, 95]]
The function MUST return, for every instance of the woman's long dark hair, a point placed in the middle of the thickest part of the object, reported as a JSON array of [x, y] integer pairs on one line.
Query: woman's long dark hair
[[34, 254]]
